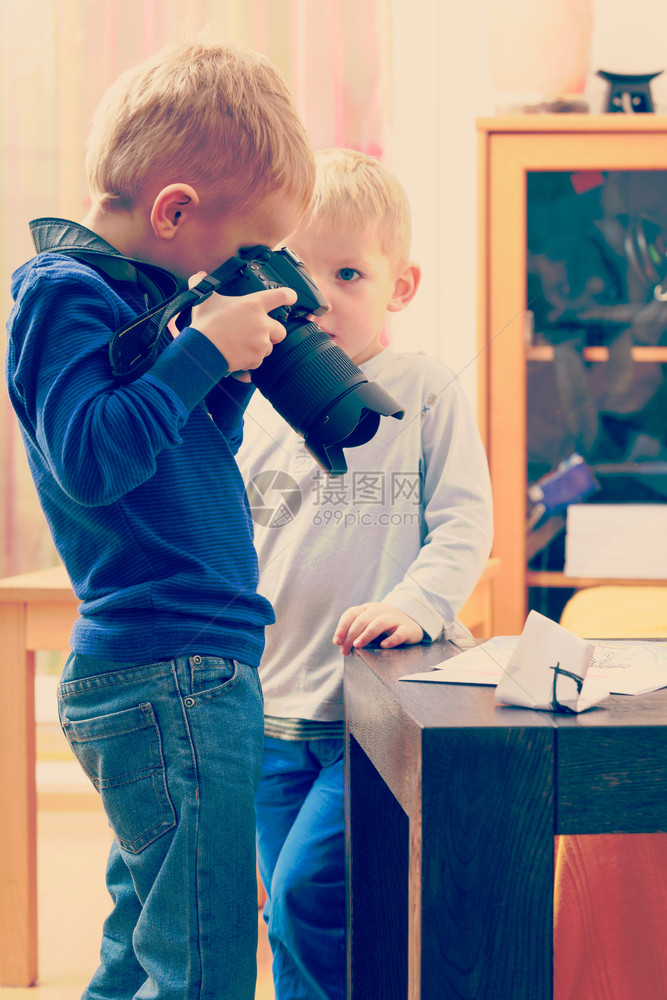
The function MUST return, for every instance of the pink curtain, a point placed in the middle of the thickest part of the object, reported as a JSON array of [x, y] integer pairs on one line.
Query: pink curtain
[[57, 60]]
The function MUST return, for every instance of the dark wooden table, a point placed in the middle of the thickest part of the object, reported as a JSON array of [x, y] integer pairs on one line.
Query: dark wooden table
[[452, 806]]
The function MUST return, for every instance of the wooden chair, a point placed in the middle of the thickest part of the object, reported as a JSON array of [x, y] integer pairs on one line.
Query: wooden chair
[[617, 612]]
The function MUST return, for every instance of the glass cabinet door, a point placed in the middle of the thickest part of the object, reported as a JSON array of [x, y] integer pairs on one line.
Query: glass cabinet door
[[596, 393], [573, 342]]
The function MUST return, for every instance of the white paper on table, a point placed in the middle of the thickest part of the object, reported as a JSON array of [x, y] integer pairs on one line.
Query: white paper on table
[[483, 664], [630, 668], [548, 670], [625, 667]]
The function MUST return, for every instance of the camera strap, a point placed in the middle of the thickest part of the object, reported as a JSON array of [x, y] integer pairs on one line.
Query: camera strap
[[134, 347]]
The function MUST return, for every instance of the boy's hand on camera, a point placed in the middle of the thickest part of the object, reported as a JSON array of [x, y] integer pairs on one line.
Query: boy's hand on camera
[[365, 622], [240, 327]]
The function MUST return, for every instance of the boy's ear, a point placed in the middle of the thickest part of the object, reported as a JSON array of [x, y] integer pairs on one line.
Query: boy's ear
[[174, 204], [405, 287]]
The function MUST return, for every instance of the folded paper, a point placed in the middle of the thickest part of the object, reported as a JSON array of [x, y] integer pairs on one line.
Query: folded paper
[[548, 670]]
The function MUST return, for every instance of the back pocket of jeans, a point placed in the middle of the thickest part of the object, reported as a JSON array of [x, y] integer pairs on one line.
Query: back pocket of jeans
[[122, 755]]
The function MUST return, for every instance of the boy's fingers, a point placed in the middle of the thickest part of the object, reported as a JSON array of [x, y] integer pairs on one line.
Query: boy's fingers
[[344, 623], [362, 624], [372, 631], [273, 298], [396, 638], [196, 278], [346, 644], [362, 631]]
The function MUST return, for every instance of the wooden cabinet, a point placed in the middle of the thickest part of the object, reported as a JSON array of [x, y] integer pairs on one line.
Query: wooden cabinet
[[519, 158]]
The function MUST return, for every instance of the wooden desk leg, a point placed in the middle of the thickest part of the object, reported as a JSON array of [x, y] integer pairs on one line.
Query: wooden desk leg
[[486, 867], [18, 817], [377, 896]]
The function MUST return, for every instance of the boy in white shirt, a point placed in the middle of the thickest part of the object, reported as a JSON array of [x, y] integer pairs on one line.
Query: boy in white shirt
[[390, 552]]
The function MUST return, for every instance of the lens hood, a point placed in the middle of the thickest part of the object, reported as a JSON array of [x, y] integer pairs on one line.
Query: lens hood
[[351, 421]]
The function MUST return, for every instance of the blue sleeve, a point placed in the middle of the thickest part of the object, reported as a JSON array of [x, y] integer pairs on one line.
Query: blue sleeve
[[99, 439], [226, 403]]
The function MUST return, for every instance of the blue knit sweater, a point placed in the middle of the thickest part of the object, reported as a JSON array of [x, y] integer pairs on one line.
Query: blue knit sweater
[[138, 482]]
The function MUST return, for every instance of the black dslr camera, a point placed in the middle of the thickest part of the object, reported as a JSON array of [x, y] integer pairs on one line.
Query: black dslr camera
[[310, 381]]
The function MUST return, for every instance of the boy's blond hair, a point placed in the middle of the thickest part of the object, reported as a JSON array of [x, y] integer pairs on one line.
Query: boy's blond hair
[[218, 117], [357, 191]]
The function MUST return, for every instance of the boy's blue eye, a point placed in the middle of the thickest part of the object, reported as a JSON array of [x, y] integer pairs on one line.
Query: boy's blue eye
[[348, 274]]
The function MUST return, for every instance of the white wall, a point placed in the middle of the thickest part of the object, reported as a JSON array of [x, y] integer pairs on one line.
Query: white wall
[[441, 85], [631, 38]]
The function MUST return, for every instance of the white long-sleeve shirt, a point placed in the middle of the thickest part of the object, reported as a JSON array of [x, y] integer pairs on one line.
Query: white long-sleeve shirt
[[409, 524]]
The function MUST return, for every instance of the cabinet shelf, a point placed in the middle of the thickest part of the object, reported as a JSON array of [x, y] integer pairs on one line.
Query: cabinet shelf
[[640, 353], [550, 578]]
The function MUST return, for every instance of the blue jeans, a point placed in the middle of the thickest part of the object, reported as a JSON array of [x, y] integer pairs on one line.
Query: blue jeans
[[301, 850], [174, 749]]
